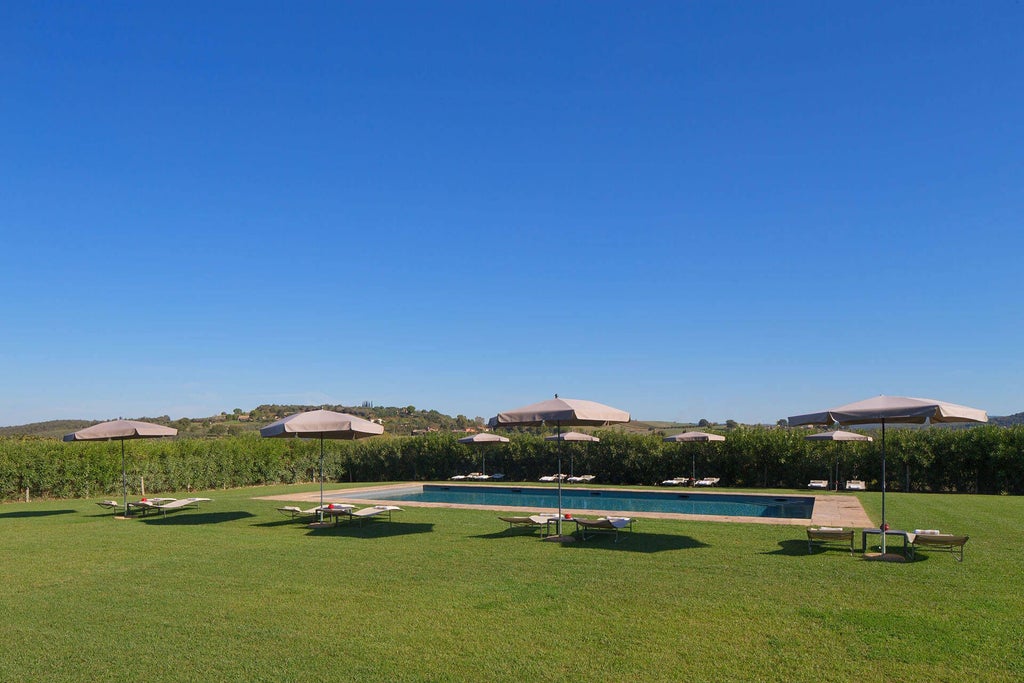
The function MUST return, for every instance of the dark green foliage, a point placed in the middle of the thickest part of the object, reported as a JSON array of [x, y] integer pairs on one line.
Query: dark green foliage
[[987, 459]]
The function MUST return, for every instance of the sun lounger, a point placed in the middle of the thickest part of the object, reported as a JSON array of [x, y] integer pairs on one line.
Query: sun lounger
[[603, 525], [109, 504], [294, 511], [476, 476], [678, 481], [818, 484], [856, 485], [826, 534], [931, 538], [520, 521], [552, 477], [147, 504], [707, 481], [180, 504], [374, 511], [582, 479]]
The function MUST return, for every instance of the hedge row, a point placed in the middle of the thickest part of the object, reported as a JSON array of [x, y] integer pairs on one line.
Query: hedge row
[[985, 459]]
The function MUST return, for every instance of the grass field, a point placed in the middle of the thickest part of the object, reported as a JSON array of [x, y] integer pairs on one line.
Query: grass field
[[234, 591]]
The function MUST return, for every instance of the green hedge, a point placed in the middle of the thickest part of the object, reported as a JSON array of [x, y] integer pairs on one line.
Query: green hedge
[[985, 459]]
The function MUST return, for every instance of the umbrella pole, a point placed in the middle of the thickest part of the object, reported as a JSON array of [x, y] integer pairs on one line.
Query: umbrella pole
[[321, 512], [558, 429], [883, 487], [124, 480], [693, 466]]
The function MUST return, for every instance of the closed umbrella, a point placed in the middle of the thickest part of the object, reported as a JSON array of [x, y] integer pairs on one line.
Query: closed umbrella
[[568, 412], [838, 435], [694, 436], [891, 409], [483, 439], [572, 436], [325, 424], [121, 430]]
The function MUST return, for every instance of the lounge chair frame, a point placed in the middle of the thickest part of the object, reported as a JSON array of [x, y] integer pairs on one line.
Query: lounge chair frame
[[602, 526], [180, 504], [954, 544], [822, 536]]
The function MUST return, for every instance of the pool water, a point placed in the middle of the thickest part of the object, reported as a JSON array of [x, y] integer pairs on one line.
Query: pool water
[[726, 504]]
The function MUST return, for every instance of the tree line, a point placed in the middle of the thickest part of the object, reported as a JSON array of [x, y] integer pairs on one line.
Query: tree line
[[985, 459]]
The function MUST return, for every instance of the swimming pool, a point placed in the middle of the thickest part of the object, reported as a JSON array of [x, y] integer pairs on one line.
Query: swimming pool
[[616, 500]]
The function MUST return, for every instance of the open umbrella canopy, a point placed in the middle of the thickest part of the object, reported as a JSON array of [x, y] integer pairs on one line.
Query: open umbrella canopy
[[483, 437], [891, 409], [898, 409], [571, 412], [837, 435], [561, 411], [326, 424], [121, 430], [571, 436], [694, 436]]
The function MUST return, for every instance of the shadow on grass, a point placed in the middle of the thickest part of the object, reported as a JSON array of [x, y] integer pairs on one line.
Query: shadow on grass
[[629, 541], [512, 532], [286, 521], [635, 542], [794, 547], [24, 514], [375, 529], [186, 518]]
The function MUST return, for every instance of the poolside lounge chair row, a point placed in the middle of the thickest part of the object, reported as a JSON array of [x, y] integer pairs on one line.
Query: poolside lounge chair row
[[913, 541], [851, 485], [161, 505], [581, 479], [339, 511], [477, 476], [600, 525]]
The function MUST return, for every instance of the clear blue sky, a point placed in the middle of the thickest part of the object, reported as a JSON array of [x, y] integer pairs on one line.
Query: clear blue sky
[[685, 210]]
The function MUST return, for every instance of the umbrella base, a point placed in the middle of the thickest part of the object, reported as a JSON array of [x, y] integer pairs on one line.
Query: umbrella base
[[564, 538], [887, 557], [320, 525]]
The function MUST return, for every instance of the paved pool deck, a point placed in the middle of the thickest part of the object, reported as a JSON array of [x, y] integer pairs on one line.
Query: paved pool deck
[[830, 509]]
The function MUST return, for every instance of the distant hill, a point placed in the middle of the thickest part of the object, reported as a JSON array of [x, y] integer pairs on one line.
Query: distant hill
[[50, 428], [1008, 420]]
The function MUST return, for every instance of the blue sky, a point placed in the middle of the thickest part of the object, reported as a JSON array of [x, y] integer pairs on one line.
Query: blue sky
[[685, 210]]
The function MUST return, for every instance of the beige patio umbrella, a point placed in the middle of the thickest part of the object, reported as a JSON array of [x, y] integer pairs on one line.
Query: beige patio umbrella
[[891, 409], [693, 436], [325, 424], [121, 430], [837, 435], [572, 436], [569, 412], [483, 439]]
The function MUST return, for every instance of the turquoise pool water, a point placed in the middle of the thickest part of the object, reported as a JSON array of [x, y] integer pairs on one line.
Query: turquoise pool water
[[732, 504]]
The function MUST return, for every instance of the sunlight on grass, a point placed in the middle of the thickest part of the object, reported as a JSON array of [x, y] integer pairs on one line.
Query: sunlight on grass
[[235, 591]]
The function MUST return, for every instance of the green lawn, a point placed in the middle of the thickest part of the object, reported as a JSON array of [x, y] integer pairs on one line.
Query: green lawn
[[236, 592]]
